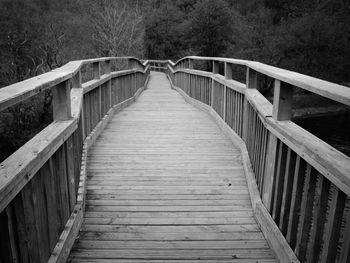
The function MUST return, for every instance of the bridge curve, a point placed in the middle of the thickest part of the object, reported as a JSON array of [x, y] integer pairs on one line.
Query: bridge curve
[[299, 185], [164, 183]]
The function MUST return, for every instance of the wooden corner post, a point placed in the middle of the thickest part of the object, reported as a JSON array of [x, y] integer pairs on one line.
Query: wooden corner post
[[61, 101], [282, 110], [190, 63], [97, 70], [228, 76], [108, 67], [215, 71], [109, 84], [251, 83]]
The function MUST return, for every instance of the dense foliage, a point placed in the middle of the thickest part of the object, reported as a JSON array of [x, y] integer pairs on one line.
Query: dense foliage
[[310, 36]]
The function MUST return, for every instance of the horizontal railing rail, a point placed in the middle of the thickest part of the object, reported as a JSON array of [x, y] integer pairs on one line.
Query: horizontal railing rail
[[303, 182], [42, 184]]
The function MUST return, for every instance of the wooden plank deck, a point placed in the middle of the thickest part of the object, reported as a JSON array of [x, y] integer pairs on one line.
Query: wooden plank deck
[[165, 185]]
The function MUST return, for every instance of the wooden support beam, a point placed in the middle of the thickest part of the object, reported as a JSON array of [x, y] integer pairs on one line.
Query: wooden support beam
[[228, 70], [61, 101], [215, 67], [97, 70], [251, 83], [252, 78], [190, 63], [108, 67], [270, 171], [282, 101]]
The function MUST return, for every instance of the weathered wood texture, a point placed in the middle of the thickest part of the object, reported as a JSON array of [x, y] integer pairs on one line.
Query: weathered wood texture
[[165, 184], [40, 184], [304, 183]]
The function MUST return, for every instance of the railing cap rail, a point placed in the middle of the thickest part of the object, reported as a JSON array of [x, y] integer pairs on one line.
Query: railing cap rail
[[324, 88], [20, 91]]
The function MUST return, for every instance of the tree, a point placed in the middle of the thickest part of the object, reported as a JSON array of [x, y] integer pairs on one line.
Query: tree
[[165, 33], [210, 28], [118, 28]]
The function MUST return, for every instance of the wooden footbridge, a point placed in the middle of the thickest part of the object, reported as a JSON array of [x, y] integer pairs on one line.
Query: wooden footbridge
[[156, 161]]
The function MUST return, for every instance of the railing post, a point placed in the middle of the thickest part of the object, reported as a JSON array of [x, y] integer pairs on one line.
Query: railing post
[[215, 67], [251, 83], [108, 67], [228, 76], [282, 101], [76, 84], [97, 70], [109, 83], [190, 63], [97, 75], [215, 71], [282, 110], [61, 101]]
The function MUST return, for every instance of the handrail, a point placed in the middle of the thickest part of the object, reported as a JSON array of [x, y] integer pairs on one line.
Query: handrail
[[302, 181], [23, 90], [324, 88], [334, 164], [46, 176]]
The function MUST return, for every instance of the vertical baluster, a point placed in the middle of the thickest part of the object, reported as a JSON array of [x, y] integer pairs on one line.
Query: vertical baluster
[[298, 182], [279, 181], [228, 76], [319, 219], [215, 71], [345, 249], [333, 225], [287, 190], [305, 213], [282, 109]]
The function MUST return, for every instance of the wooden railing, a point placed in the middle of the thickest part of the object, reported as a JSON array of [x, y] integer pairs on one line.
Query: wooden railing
[[42, 185], [302, 182]]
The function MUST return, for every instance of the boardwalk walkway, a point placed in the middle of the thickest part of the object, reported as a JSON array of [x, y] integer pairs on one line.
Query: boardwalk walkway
[[165, 185]]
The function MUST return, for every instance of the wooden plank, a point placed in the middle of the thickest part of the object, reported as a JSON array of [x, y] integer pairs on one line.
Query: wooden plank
[[151, 188], [20, 167], [319, 219], [30, 224], [6, 254], [189, 229], [41, 220], [277, 242], [23, 90], [62, 249], [49, 179], [175, 254], [125, 244], [270, 171], [333, 225], [282, 101], [12, 236], [61, 190], [61, 101], [170, 236], [76, 260], [70, 172], [287, 191], [279, 181], [305, 213], [294, 211], [324, 158], [345, 249], [23, 243]]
